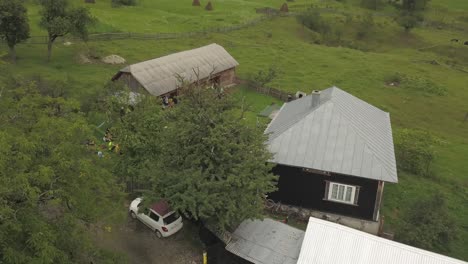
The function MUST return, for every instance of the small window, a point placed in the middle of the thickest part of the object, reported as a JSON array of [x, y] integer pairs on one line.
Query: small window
[[171, 218], [342, 193], [154, 216]]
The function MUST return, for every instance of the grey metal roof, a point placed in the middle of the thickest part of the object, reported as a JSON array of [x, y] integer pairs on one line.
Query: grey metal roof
[[266, 242], [330, 243], [343, 134], [159, 76]]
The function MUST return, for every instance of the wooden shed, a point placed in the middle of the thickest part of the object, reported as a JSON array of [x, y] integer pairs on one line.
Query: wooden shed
[[162, 76]]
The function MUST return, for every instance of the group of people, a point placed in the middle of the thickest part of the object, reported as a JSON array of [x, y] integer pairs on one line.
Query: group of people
[[111, 147], [169, 101]]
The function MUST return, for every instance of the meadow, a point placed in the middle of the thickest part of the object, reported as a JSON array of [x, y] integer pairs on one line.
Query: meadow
[[426, 55]]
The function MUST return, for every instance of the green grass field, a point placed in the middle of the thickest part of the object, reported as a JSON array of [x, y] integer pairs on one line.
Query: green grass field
[[151, 16], [282, 43]]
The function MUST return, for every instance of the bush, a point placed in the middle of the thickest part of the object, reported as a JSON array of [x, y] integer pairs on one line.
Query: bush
[[416, 84], [117, 3], [372, 4], [409, 20], [284, 8], [209, 6], [314, 21], [261, 78], [427, 224], [365, 26], [414, 150]]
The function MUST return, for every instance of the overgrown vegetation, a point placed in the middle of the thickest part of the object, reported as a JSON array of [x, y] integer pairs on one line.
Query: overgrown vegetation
[[53, 187], [117, 3], [428, 224], [200, 156], [415, 150], [416, 84], [305, 65]]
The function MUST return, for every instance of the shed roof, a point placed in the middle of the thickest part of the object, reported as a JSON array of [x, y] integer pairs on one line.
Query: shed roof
[[159, 76], [329, 243], [266, 242], [342, 134]]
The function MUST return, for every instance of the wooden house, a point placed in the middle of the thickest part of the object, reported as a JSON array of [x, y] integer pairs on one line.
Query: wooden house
[[333, 153]]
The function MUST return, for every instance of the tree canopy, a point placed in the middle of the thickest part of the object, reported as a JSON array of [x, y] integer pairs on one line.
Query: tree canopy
[[200, 155], [59, 20], [52, 185], [14, 27], [411, 13]]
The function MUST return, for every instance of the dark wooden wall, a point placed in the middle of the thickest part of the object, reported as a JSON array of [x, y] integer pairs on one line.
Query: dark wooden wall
[[296, 187]]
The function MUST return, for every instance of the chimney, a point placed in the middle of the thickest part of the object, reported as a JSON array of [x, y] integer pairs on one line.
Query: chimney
[[315, 98]]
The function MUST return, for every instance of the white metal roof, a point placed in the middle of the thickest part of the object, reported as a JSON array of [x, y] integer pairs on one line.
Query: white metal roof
[[330, 243], [266, 242], [343, 134], [159, 76]]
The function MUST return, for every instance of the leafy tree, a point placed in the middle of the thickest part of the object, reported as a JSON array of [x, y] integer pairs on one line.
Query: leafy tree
[[52, 186], [14, 27], [60, 20], [427, 224], [411, 13], [201, 156], [261, 78]]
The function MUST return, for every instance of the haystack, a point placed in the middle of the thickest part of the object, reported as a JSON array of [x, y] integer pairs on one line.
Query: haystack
[[284, 8], [196, 3], [113, 59], [209, 6]]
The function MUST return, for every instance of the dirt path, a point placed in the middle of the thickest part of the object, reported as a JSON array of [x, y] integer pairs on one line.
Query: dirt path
[[143, 247]]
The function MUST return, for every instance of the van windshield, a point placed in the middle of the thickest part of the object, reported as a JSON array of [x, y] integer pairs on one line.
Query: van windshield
[[171, 218]]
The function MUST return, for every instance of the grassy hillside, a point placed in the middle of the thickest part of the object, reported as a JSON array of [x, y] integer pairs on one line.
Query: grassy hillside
[[361, 67], [151, 16]]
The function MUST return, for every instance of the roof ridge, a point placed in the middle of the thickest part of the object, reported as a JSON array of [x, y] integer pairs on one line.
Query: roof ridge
[[284, 127]]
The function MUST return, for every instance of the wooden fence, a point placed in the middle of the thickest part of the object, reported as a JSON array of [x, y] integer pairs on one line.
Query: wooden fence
[[273, 92], [151, 36]]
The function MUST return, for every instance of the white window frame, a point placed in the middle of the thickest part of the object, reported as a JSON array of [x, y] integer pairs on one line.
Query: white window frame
[[342, 190]]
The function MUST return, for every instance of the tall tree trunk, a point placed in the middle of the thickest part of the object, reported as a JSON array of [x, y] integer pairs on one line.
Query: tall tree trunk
[[49, 48], [13, 54]]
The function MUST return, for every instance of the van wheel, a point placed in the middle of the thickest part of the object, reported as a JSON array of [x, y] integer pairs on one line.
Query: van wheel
[[158, 234], [133, 215]]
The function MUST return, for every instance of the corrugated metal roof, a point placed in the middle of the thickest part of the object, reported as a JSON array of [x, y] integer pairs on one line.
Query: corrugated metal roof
[[266, 242], [343, 134], [159, 76], [329, 243]]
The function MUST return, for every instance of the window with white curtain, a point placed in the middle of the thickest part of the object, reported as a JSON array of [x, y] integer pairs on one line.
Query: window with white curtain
[[342, 193]]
